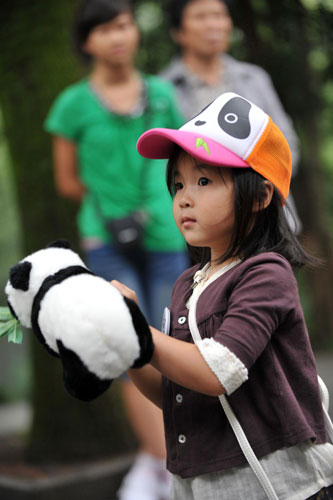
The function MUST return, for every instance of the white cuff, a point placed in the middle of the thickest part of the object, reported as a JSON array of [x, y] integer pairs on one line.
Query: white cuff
[[229, 369]]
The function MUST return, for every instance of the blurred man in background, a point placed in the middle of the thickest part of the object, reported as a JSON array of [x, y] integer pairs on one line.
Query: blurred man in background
[[204, 70]]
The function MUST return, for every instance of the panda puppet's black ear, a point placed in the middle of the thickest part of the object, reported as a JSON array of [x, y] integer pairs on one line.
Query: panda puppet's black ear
[[61, 243], [19, 276]]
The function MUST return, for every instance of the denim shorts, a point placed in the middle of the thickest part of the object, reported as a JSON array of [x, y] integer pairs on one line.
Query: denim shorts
[[151, 276]]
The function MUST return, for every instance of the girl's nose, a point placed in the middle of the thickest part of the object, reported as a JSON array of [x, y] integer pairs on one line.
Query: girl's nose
[[185, 199]]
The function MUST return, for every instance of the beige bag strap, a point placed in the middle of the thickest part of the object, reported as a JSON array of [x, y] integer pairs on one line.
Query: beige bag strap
[[236, 427], [325, 399]]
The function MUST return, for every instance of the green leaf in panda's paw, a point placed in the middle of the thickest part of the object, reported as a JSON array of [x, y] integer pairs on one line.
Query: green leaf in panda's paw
[[5, 314], [15, 333], [4, 327], [10, 326]]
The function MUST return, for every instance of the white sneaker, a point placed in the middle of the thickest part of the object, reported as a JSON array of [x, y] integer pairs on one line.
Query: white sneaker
[[147, 479]]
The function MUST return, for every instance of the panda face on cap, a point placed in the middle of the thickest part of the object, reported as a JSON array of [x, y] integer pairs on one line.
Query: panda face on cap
[[230, 132], [231, 121]]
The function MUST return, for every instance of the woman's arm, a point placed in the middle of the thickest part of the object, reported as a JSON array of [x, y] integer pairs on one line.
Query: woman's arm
[[149, 381], [65, 169]]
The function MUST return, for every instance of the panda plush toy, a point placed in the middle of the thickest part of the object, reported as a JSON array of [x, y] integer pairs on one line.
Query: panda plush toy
[[81, 318]]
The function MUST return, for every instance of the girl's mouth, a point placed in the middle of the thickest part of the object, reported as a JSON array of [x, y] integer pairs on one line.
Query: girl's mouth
[[188, 221]]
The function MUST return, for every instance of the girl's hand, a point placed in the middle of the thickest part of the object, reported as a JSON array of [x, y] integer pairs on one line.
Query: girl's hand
[[124, 290]]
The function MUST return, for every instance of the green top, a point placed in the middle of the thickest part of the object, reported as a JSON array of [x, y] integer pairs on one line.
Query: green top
[[119, 180]]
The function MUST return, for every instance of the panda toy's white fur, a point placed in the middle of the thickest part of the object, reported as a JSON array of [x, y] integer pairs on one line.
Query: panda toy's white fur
[[97, 333]]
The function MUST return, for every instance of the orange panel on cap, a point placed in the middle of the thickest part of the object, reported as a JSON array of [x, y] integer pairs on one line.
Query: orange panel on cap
[[271, 157]]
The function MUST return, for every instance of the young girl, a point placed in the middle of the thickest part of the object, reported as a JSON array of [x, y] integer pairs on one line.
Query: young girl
[[95, 124], [229, 173]]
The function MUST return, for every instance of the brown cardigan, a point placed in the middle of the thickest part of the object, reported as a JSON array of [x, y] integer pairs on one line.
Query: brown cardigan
[[254, 310]]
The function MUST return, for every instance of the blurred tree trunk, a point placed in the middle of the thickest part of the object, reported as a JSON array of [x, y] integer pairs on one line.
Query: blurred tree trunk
[[36, 63], [283, 49]]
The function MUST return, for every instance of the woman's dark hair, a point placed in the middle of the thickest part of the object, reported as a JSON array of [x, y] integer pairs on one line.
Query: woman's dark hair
[[174, 11], [266, 230], [90, 14]]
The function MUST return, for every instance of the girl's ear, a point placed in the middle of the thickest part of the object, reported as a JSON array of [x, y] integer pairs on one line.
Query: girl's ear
[[267, 195]]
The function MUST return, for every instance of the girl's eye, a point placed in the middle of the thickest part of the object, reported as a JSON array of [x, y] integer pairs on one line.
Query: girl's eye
[[178, 186], [203, 181]]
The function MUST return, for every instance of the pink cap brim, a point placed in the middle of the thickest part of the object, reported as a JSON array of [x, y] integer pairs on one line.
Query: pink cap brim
[[158, 143]]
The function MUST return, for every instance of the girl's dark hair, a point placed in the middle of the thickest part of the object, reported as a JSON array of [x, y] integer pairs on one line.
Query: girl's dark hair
[[174, 11], [90, 14], [266, 230]]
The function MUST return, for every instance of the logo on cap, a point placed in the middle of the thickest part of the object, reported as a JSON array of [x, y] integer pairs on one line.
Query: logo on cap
[[200, 142]]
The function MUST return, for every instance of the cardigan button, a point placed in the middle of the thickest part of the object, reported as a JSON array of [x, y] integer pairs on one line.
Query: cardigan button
[[182, 438], [179, 398], [182, 320]]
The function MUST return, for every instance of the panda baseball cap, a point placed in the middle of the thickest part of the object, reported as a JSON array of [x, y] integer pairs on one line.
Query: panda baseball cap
[[231, 131]]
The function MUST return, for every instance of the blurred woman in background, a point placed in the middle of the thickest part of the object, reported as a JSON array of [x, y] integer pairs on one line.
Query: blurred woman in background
[[125, 220]]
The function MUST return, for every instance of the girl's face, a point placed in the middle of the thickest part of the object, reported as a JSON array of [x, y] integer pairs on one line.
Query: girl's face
[[203, 205], [114, 42]]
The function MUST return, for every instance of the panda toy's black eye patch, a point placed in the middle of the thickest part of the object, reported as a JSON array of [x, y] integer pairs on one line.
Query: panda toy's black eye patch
[[199, 122], [234, 118], [19, 276]]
